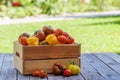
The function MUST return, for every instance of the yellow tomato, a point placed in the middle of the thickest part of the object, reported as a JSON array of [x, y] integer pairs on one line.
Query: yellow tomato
[[32, 40], [74, 69], [51, 39]]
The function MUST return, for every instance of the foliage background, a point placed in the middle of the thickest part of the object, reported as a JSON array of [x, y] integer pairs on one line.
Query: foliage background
[[54, 7]]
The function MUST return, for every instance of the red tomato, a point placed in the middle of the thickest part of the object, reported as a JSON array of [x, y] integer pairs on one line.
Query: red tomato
[[67, 72], [58, 32], [65, 34], [36, 73], [70, 40], [23, 40], [62, 39]]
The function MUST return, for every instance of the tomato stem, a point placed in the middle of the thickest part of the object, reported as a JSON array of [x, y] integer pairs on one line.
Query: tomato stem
[[72, 62]]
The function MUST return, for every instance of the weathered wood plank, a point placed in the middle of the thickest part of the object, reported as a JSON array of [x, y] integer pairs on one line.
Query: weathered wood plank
[[109, 62], [102, 68], [75, 77], [22, 77], [34, 78], [53, 77], [114, 56], [94, 67], [37, 78], [1, 61], [88, 71], [47, 51], [8, 71]]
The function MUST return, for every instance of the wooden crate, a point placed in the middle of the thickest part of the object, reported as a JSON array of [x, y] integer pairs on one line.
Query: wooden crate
[[47, 51], [29, 58], [28, 66]]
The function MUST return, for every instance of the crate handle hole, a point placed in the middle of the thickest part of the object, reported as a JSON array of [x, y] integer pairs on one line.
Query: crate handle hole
[[17, 54]]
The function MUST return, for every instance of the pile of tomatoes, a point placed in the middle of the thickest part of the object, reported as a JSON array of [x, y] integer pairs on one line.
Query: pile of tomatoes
[[59, 69], [46, 36]]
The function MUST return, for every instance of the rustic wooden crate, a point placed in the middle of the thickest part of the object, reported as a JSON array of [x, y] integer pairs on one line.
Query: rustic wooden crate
[[28, 66], [47, 51], [29, 58]]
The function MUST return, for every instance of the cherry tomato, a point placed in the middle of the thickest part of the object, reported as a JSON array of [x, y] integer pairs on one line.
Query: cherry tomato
[[67, 72]]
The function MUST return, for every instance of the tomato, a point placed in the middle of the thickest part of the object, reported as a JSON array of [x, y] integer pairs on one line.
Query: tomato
[[67, 72], [58, 32], [59, 68], [39, 73], [40, 35], [65, 34], [33, 40], [23, 40], [56, 70], [36, 73], [25, 34], [74, 69], [62, 39], [70, 40], [48, 30], [42, 73], [51, 39]]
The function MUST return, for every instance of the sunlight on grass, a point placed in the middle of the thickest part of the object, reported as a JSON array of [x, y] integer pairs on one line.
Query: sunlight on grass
[[95, 34]]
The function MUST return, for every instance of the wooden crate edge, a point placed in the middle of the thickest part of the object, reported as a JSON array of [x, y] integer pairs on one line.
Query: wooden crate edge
[[28, 66]]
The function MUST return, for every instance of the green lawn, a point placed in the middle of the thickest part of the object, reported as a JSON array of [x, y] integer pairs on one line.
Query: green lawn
[[95, 34]]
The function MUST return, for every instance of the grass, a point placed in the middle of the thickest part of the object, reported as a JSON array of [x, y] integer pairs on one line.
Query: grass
[[95, 34]]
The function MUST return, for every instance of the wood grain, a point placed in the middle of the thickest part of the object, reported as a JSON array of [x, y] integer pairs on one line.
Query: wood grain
[[28, 66], [8, 72], [109, 62], [115, 57], [18, 64], [102, 68], [88, 71], [47, 51], [1, 61], [93, 67]]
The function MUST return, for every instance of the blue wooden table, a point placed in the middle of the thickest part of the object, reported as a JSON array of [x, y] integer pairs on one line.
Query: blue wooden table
[[102, 66]]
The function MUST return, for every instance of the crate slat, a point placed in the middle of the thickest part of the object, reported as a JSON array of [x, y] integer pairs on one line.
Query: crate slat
[[47, 51], [28, 66]]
